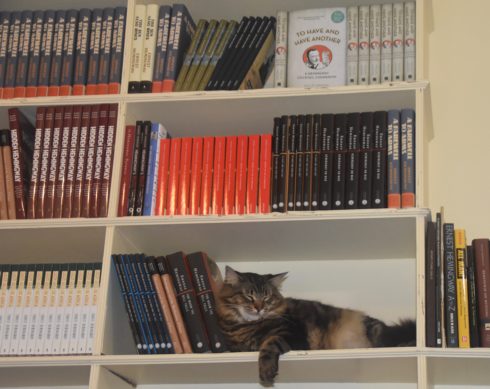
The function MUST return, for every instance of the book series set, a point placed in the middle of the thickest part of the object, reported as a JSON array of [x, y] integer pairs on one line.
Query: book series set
[[48, 309], [61, 53]]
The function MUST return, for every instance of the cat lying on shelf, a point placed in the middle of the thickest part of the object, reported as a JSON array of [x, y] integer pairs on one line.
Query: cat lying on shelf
[[254, 316]]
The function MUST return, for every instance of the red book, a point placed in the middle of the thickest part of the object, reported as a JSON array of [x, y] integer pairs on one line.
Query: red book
[[207, 175], [173, 177], [218, 174], [72, 161], [241, 174], [59, 188], [105, 183], [196, 170], [265, 173], [45, 158], [122, 209], [230, 173], [76, 209], [184, 176], [36, 162], [98, 160], [253, 173], [89, 168], [53, 163], [163, 167]]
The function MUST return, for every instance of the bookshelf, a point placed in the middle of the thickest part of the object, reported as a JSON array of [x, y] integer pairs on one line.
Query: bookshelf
[[367, 259]]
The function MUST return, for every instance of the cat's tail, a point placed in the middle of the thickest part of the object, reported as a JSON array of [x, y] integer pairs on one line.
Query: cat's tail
[[379, 334]]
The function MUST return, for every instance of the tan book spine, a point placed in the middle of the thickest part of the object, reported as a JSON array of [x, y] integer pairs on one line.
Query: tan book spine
[[26, 314], [93, 312], [3, 190], [18, 308], [33, 331], [43, 312], [8, 170]]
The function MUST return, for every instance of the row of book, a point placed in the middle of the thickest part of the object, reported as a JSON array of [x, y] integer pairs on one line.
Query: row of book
[[170, 302], [62, 166], [457, 285], [48, 309], [59, 53], [212, 175], [345, 160]]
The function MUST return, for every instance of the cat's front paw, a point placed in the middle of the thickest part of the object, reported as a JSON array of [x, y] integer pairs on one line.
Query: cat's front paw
[[268, 367]]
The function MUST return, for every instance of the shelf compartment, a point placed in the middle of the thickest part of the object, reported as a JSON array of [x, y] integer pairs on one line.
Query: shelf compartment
[[459, 370], [53, 377]]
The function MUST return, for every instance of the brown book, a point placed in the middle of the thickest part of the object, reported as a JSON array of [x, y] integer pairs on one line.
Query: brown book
[[53, 163], [89, 168], [4, 142], [105, 182], [481, 252], [22, 143], [76, 209], [168, 285], [36, 163], [98, 160], [59, 188], [164, 304], [72, 161], [8, 170], [45, 159]]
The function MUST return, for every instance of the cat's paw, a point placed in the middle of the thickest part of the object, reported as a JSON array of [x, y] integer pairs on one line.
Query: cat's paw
[[268, 368]]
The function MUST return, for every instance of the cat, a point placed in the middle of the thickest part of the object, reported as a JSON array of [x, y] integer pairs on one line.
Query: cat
[[254, 316]]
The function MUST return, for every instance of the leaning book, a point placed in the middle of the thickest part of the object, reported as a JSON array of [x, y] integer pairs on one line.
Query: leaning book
[[317, 47]]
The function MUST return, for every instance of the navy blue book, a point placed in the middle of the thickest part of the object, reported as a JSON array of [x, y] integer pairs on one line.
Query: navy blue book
[[34, 53], [69, 46], [23, 61], [57, 54], [94, 51], [4, 40], [81, 52], [117, 50], [164, 15], [12, 55], [105, 51], [46, 49]]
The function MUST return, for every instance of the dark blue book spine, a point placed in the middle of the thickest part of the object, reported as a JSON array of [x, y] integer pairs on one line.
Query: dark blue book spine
[[4, 41], [161, 49], [105, 51], [23, 54], [117, 50], [12, 55], [46, 48], [94, 51], [34, 53], [81, 51], [408, 158], [57, 53], [69, 44]]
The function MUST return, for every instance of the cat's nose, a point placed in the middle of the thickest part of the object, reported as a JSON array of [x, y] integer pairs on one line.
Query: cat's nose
[[258, 305]]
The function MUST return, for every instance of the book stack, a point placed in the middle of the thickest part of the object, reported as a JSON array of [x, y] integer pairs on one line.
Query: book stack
[[343, 161], [170, 302], [61, 53], [457, 283], [48, 309], [62, 166], [209, 175]]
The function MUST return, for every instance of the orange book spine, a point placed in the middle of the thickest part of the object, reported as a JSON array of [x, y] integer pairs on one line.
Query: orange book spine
[[241, 174], [184, 176], [253, 173], [163, 167], [265, 173], [218, 174], [173, 176], [207, 175], [230, 174], [196, 172]]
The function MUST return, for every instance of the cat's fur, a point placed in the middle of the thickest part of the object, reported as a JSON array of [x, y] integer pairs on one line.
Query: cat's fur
[[254, 316]]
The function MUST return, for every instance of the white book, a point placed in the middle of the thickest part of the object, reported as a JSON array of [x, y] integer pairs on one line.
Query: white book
[[84, 320], [352, 44], [317, 42], [363, 71], [149, 45], [398, 42], [27, 312], [136, 54], [35, 312], [51, 312], [3, 299], [386, 41], [43, 313], [60, 310], [375, 44], [68, 312], [77, 312], [93, 310], [409, 30], [281, 57], [9, 313], [18, 312]]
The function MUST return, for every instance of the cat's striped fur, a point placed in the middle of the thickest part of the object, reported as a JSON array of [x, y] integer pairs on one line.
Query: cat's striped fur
[[254, 316]]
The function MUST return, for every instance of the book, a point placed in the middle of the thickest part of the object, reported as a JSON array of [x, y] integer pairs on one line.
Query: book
[[23, 53], [439, 292], [472, 299], [162, 181], [281, 50], [173, 177], [451, 297], [106, 175], [284, 168], [353, 135], [45, 53], [218, 175], [182, 206], [276, 141], [265, 173], [407, 179], [136, 54], [315, 163], [398, 42], [7, 198], [462, 288], [117, 50], [82, 51], [386, 42], [481, 253], [327, 146], [393, 155], [241, 174], [94, 51], [163, 30], [53, 163], [12, 55], [363, 66], [149, 45], [366, 160], [374, 43], [409, 41], [68, 53], [105, 51], [299, 163], [127, 158], [207, 176], [143, 164], [338, 188], [196, 175], [430, 285], [135, 168], [230, 175], [57, 54], [45, 160], [379, 159], [4, 42], [352, 44]]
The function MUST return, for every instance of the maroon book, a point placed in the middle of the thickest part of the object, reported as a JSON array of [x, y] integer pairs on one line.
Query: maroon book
[[122, 208], [45, 159], [481, 253], [90, 161]]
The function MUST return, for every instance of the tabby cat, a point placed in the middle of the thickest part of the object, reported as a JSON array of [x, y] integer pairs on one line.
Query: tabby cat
[[254, 316]]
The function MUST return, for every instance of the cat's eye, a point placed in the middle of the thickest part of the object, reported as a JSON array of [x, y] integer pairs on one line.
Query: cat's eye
[[250, 298]]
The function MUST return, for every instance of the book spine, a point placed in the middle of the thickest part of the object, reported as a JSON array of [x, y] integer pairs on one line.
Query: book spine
[[184, 176], [253, 173], [82, 52], [284, 168], [18, 308], [105, 51], [149, 47], [10, 205], [59, 309], [15, 165], [408, 158], [77, 303], [23, 54], [69, 47], [308, 162], [327, 146], [129, 142], [85, 310], [173, 177], [409, 18], [290, 162], [152, 169], [275, 163], [374, 44], [4, 142], [45, 160], [53, 163], [338, 190], [230, 175], [366, 160], [36, 163], [386, 42], [462, 288], [241, 174], [162, 181], [451, 301], [363, 67], [12, 55], [218, 175], [265, 173], [472, 299], [57, 54], [26, 313], [94, 51], [352, 44], [352, 161], [144, 149], [281, 50], [439, 283], [45, 53], [393, 142], [207, 176], [105, 183], [481, 252], [34, 54], [78, 186], [196, 175], [136, 57], [315, 163], [379, 159], [430, 284], [4, 42], [135, 166], [93, 308], [398, 42], [117, 50], [161, 47]]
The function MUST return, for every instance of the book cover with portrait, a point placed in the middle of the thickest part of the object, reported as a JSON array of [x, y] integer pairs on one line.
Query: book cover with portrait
[[317, 47]]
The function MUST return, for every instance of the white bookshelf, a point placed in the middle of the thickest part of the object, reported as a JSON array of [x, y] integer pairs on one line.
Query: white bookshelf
[[371, 260]]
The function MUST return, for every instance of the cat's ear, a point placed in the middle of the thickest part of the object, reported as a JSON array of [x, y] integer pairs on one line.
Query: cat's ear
[[278, 279], [232, 277]]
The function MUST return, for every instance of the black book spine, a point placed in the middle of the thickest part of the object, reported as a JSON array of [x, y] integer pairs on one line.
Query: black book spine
[[327, 139], [315, 163], [57, 51], [340, 129], [275, 163], [23, 53], [117, 50], [291, 161], [352, 163], [439, 281], [143, 166], [94, 50], [81, 51], [430, 285], [472, 299], [34, 51], [366, 160], [283, 168], [45, 54], [135, 168], [380, 159], [4, 40], [308, 162], [69, 47], [12, 54], [451, 304], [105, 50], [300, 163]]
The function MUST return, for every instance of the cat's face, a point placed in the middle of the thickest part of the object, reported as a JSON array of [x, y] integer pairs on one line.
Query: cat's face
[[247, 297]]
